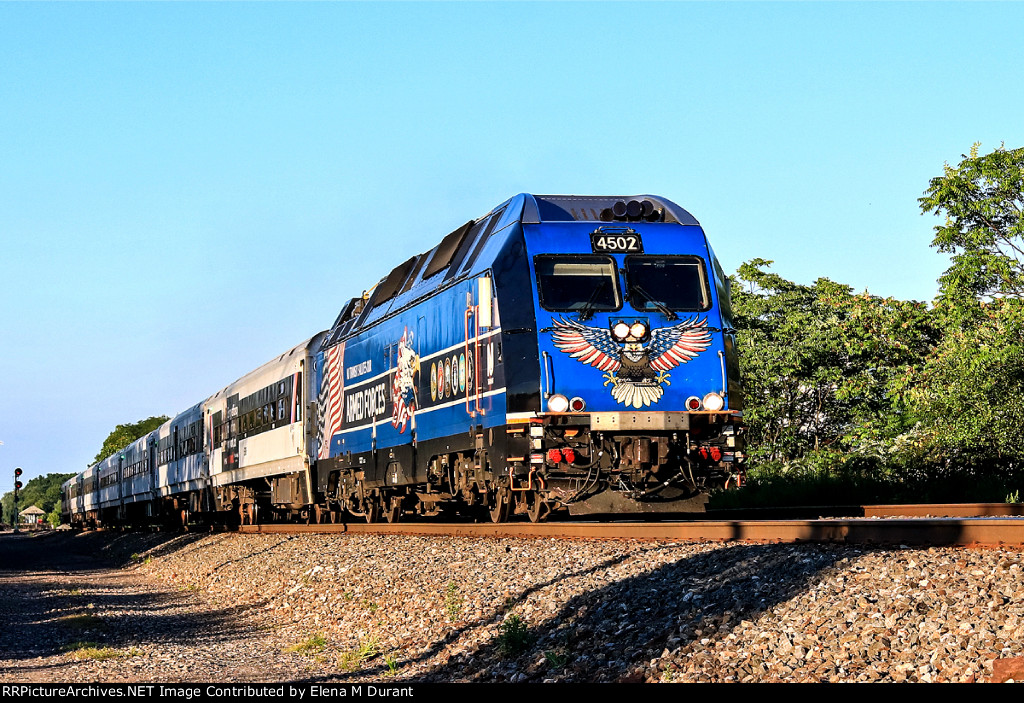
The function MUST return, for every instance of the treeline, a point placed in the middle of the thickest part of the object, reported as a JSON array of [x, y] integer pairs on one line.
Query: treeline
[[854, 398], [42, 492]]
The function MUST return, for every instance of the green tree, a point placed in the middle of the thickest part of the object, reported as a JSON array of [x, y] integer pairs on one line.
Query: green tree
[[819, 364], [969, 393], [982, 200], [123, 435]]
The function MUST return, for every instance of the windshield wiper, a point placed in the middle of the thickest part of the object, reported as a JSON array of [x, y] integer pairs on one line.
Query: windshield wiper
[[660, 306], [587, 311]]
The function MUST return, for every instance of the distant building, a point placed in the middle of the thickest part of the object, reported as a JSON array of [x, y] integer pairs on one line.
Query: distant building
[[31, 516]]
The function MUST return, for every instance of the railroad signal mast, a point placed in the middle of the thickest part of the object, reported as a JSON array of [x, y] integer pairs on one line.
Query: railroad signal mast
[[17, 487]]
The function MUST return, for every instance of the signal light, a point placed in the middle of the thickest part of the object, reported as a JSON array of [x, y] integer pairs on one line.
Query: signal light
[[17, 472], [17, 485]]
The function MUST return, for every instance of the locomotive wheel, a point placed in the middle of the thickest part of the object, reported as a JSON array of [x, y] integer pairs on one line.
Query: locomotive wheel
[[500, 508], [537, 509], [394, 509], [372, 509]]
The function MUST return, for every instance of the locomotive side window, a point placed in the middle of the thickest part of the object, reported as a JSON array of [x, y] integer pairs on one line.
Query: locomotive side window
[[568, 283], [724, 292], [671, 282]]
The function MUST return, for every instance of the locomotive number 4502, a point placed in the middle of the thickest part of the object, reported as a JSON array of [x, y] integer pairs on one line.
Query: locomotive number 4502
[[616, 242]]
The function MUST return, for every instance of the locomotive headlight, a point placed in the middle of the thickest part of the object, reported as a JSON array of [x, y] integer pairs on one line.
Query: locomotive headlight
[[638, 330], [558, 403], [621, 330], [713, 402]]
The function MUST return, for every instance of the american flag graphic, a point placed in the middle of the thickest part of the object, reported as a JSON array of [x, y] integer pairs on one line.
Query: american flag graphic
[[331, 398]]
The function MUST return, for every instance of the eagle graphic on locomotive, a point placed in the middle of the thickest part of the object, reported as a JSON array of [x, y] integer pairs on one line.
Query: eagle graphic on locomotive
[[560, 353]]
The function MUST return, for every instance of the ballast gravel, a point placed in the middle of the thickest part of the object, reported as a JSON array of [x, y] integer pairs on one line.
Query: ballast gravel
[[99, 607]]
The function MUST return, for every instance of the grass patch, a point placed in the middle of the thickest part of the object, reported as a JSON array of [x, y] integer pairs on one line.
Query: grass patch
[[556, 660], [453, 601], [355, 658], [513, 636], [97, 652], [313, 645], [86, 621]]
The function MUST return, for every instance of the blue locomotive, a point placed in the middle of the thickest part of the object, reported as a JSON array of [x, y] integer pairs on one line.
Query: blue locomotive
[[559, 353]]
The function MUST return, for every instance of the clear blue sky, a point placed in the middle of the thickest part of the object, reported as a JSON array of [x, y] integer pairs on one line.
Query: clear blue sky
[[186, 190]]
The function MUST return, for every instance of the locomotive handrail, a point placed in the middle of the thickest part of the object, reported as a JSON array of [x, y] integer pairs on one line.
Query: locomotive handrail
[[547, 378], [529, 480], [471, 309], [465, 350], [725, 381]]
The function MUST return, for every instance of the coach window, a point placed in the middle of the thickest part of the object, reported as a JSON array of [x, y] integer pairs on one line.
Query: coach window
[[577, 283], [669, 282]]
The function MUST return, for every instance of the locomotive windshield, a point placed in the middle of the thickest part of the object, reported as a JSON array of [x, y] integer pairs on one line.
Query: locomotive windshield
[[586, 283], [667, 283]]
